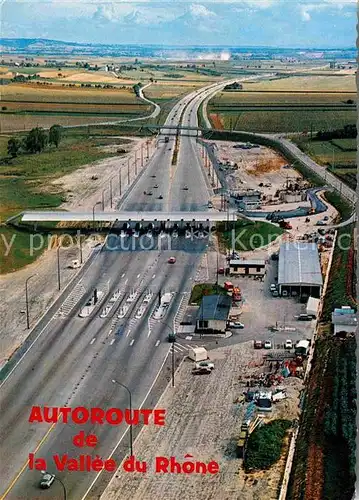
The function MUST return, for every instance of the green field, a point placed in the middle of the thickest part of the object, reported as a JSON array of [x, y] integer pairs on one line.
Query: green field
[[287, 121], [248, 235]]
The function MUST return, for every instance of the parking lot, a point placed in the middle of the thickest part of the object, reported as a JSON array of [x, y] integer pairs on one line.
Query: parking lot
[[260, 310]]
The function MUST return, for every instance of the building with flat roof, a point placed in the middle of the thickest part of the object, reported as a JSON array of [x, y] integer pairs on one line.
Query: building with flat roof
[[250, 267], [299, 271], [213, 313]]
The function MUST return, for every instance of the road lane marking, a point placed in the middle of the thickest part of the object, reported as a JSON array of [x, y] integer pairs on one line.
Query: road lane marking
[[124, 434], [138, 275], [128, 333], [126, 281], [93, 340], [153, 276], [12, 484], [122, 276], [157, 343], [132, 342], [53, 316], [112, 341]]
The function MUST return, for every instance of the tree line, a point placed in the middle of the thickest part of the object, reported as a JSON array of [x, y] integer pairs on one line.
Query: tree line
[[35, 141]]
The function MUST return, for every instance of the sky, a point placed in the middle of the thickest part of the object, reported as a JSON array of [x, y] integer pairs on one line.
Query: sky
[[272, 23]]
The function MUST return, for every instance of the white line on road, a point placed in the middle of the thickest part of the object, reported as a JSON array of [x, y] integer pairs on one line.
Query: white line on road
[[157, 343], [109, 333], [126, 281], [124, 434], [123, 275], [138, 275], [153, 276], [132, 342], [128, 333], [93, 340], [112, 341]]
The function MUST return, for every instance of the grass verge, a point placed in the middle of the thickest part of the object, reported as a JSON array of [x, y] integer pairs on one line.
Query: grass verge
[[198, 291], [247, 235]]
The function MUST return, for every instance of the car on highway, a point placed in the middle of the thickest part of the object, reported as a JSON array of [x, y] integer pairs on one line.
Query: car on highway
[[267, 344], [155, 186], [160, 197], [236, 324], [149, 193], [172, 260], [46, 481], [206, 364], [153, 176], [185, 188], [288, 344]]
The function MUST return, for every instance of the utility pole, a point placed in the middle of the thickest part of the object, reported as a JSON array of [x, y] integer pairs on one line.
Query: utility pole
[[141, 155], [173, 364], [159, 297], [128, 171], [120, 181], [136, 162], [58, 267], [103, 200], [111, 200], [148, 149]]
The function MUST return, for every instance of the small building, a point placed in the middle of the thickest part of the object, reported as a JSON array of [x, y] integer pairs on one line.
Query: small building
[[255, 267], [312, 307], [213, 313], [299, 272], [344, 320], [247, 199]]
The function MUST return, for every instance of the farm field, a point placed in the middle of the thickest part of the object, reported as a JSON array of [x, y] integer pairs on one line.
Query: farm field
[[331, 152], [73, 95], [287, 120], [30, 105], [342, 83], [240, 98], [26, 183]]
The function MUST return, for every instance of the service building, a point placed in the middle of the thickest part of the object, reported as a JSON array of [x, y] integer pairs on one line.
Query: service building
[[299, 272]]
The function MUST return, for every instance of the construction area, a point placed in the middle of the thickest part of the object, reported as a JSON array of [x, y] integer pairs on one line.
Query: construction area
[[211, 416]]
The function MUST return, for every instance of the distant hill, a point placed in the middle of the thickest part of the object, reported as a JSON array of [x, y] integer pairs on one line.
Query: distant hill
[[43, 46]]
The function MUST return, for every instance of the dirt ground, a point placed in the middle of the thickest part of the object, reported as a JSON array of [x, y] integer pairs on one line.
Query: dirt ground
[[203, 419], [43, 290]]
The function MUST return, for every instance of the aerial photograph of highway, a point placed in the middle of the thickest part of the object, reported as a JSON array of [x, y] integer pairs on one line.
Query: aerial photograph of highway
[[178, 247]]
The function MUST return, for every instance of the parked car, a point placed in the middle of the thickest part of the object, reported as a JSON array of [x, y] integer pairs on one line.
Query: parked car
[[273, 287], [155, 186], [275, 293], [304, 317], [258, 344], [220, 270], [205, 364], [236, 324], [172, 260], [185, 188], [204, 370], [160, 197], [325, 217], [268, 344], [321, 223], [46, 481], [288, 344]]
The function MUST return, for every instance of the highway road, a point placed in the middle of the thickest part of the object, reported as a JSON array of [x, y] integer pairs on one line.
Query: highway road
[[74, 359]]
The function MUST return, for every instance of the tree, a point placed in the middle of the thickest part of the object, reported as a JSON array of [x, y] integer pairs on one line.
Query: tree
[[36, 140], [13, 147], [55, 135]]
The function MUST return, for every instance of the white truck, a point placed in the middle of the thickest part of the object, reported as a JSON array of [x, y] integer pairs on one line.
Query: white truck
[[197, 354], [302, 348]]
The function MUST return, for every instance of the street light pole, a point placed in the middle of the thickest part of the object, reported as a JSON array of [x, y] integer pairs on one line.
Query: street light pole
[[111, 193], [27, 301], [173, 364], [93, 212], [120, 181], [128, 171], [58, 267], [130, 398], [103, 200]]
